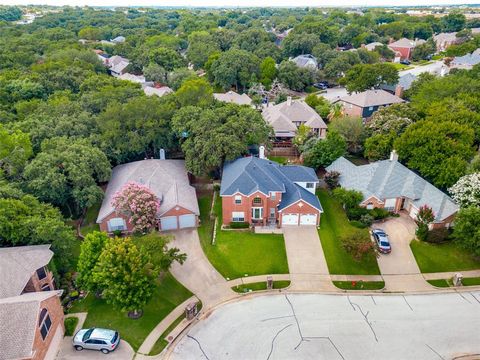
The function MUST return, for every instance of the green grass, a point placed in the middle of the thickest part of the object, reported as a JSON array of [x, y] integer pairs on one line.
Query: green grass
[[70, 325], [439, 283], [334, 224], [166, 297], [360, 285], [438, 57], [89, 221], [448, 283], [400, 67], [279, 159], [443, 257], [237, 253], [471, 281], [280, 284], [357, 160]]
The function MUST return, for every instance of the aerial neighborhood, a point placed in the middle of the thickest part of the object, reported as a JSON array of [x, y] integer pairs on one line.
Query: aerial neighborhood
[[242, 183]]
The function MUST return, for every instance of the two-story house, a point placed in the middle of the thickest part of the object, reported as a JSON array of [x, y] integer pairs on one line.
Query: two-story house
[[262, 192], [31, 315]]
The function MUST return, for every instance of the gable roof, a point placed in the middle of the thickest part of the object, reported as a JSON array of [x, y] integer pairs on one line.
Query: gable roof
[[305, 60], [233, 97], [405, 81], [468, 59], [117, 64], [406, 43], [250, 174], [167, 179], [282, 116], [17, 265], [18, 323], [390, 179], [373, 45], [151, 90], [372, 98]]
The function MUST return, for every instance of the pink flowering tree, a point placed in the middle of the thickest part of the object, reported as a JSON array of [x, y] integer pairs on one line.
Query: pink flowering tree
[[139, 203]]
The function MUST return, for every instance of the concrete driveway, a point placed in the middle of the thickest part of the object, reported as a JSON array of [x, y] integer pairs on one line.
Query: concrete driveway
[[399, 268], [338, 327], [306, 261], [332, 94], [196, 273], [433, 68], [67, 352]]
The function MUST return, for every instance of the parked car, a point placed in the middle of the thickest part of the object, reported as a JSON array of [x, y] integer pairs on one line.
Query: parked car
[[321, 86], [405, 62], [104, 340], [381, 239]]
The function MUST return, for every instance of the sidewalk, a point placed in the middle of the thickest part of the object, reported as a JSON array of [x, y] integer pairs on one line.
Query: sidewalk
[[449, 275]]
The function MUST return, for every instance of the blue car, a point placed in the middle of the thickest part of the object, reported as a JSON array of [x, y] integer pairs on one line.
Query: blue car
[[381, 239]]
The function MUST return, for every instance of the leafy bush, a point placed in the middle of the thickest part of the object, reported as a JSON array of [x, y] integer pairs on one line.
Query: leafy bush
[[239, 225], [437, 236], [70, 324], [216, 187], [358, 224], [425, 216], [379, 213], [332, 178], [366, 219], [349, 198], [357, 244], [356, 213]]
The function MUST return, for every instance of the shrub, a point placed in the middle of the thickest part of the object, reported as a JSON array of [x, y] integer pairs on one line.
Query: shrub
[[437, 236], [331, 178], [357, 244], [366, 219], [425, 216], [216, 187], [356, 213], [358, 224], [348, 198], [379, 213], [239, 225], [70, 325]]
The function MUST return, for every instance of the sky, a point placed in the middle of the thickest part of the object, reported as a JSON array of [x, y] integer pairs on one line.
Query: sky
[[241, 3]]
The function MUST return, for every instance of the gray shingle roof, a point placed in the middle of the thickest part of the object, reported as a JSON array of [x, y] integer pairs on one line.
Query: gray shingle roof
[[167, 179], [233, 97], [306, 60], [18, 323], [17, 265], [405, 81], [469, 59], [372, 98], [390, 179], [407, 43], [250, 174]]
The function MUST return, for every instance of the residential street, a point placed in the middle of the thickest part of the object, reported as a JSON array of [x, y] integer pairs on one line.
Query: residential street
[[433, 68], [313, 326]]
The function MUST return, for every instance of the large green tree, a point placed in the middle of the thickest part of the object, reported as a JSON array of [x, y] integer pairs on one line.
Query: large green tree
[[362, 77], [90, 251], [15, 150], [467, 229], [324, 152], [235, 67], [201, 45]]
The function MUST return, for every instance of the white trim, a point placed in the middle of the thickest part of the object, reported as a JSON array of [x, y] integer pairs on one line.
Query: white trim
[[379, 200], [306, 202], [253, 208]]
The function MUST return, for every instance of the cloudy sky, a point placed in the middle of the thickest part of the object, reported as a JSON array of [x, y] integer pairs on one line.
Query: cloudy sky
[[244, 3]]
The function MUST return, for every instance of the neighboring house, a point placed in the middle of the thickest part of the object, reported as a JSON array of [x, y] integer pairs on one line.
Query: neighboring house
[[305, 61], [372, 46], [168, 180], [466, 62], [444, 40], [286, 117], [390, 185], [475, 31], [159, 91], [117, 65], [404, 83], [31, 315], [118, 40], [405, 47], [364, 104], [138, 79], [262, 192], [233, 97]]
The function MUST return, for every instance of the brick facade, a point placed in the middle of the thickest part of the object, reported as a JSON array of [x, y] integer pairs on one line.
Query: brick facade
[[177, 211], [246, 204], [104, 223], [36, 284], [55, 311], [352, 110], [405, 52], [301, 208]]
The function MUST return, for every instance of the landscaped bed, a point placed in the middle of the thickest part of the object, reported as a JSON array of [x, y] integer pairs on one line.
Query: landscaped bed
[[166, 297], [280, 284], [359, 285], [239, 253], [334, 225], [443, 257]]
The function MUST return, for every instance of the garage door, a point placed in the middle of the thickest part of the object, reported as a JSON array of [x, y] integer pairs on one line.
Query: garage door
[[308, 219], [290, 219], [187, 221], [168, 222], [413, 212], [390, 204]]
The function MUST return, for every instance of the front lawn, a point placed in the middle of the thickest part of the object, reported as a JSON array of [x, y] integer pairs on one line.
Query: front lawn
[[166, 297], [89, 221], [279, 284], [442, 257], [334, 224], [359, 285], [474, 281], [240, 253], [282, 160]]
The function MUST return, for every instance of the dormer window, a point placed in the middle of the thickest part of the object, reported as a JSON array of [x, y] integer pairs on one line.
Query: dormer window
[[41, 273], [273, 196], [238, 199], [310, 185], [257, 200]]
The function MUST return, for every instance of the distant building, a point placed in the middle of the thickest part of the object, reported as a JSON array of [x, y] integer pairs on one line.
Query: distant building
[[372, 46], [158, 91], [405, 47], [233, 97], [305, 61], [444, 40], [404, 83], [118, 40], [117, 65], [467, 61], [138, 79]]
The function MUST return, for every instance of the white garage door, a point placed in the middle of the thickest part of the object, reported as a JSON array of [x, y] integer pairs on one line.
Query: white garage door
[[308, 219], [290, 219], [413, 212], [55, 344], [390, 204], [187, 221], [168, 222]]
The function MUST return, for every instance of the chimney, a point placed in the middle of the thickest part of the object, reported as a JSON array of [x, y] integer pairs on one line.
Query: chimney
[[393, 156], [289, 100], [261, 152], [162, 154], [399, 90]]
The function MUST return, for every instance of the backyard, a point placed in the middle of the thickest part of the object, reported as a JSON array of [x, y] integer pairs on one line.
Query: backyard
[[334, 224], [239, 253], [443, 257]]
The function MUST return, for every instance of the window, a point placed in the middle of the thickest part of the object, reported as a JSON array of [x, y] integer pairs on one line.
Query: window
[[257, 213], [238, 199], [44, 323], [46, 287], [116, 224], [238, 216], [41, 273], [310, 185], [370, 108], [273, 196], [257, 200]]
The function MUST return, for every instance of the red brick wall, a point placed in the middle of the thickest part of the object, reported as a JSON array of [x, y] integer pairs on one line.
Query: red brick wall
[[405, 52], [177, 211], [304, 208], [55, 310], [104, 223], [376, 203], [229, 206], [352, 110], [449, 220], [35, 284]]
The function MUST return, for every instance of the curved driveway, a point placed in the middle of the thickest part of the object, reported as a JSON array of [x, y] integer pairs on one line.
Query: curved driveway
[[314, 326]]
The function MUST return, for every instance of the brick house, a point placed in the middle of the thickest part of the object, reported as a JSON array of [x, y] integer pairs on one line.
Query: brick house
[[264, 193], [168, 180], [364, 104], [31, 315], [390, 185], [405, 47]]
